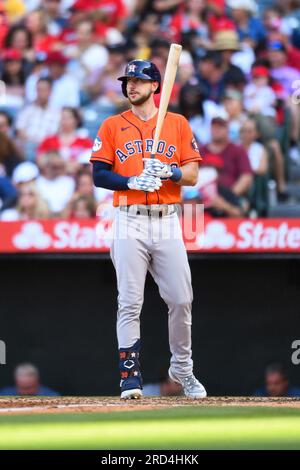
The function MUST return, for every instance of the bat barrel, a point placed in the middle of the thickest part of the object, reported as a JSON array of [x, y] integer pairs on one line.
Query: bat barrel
[[169, 79]]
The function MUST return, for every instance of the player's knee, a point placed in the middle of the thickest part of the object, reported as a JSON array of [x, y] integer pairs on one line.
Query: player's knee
[[131, 307], [180, 305]]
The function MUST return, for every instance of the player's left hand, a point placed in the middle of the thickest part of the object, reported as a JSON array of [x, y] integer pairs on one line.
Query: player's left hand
[[154, 167]]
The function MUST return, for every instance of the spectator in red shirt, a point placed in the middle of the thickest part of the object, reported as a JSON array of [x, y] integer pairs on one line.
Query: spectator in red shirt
[[71, 141], [107, 13], [217, 18], [236, 174], [171, 12]]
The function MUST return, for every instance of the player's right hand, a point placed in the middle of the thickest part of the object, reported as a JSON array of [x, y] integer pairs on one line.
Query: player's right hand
[[144, 182]]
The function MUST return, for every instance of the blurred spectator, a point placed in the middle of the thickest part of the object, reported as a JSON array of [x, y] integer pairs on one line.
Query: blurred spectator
[[71, 141], [290, 12], [38, 120], [171, 15], [217, 17], [19, 38], [83, 207], [272, 19], [55, 186], [10, 155], [260, 101], [249, 26], [288, 77], [38, 70], [234, 56], [259, 97], [147, 28], [85, 56], [55, 20], [233, 105], [280, 71], [13, 75], [36, 24], [84, 193], [102, 84], [256, 151], [7, 191], [65, 90], [194, 19], [160, 49], [218, 200], [30, 205], [277, 383], [109, 14], [85, 187], [198, 110], [27, 383], [236, 174], [211, 75]]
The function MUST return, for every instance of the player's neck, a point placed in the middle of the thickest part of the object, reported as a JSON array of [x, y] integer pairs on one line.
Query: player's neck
[[146, 111]]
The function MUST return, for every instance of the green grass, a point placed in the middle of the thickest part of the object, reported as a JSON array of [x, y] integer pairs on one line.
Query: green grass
[[177, 428]]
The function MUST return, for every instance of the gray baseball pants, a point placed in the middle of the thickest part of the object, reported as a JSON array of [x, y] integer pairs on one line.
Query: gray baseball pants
[[153, 243]]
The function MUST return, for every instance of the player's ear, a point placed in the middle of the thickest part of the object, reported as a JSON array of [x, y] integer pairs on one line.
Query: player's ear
[[155, 85]]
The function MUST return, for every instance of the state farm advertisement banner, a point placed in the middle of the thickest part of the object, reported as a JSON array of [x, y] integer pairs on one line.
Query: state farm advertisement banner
[[218, 236]]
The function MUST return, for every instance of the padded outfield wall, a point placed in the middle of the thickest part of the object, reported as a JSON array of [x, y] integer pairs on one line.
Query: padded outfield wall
[[59, 313]]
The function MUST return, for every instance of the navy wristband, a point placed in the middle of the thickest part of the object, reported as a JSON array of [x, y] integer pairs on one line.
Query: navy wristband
[[176, 175]]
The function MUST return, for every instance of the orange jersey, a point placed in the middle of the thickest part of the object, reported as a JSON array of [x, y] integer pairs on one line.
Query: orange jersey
[[124, 140]]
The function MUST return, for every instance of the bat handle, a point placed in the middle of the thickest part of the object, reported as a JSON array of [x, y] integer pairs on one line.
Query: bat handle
[[152, 155]]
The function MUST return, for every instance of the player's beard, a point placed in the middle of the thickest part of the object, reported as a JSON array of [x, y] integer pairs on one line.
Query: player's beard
[[141, 100]]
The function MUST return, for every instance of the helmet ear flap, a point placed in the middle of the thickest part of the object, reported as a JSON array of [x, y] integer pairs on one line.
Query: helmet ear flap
[[124, 86]]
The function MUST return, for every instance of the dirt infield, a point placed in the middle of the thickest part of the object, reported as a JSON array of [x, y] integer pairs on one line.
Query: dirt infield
[[37, 405]]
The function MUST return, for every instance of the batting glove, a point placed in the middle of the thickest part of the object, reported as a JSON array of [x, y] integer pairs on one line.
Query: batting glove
[[155, 167], [144, 182]]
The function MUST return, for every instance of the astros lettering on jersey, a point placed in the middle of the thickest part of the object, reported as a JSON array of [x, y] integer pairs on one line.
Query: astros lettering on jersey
[[124, 140]]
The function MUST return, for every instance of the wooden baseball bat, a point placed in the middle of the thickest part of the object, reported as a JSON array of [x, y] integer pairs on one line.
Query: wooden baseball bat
[[169, 79]]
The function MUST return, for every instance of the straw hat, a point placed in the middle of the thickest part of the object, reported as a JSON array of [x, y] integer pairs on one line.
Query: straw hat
[[226, 40]]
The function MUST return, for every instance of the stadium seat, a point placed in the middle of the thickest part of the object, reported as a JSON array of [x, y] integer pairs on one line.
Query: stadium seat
[[94, 115], [283, 135], [258, 195], [285, 211]]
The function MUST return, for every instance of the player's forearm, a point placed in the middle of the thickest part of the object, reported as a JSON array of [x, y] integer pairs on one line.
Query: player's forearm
[[190, 173], [105, 178]]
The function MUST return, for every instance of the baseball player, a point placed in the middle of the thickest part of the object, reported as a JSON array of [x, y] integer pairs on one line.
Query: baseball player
[[146, 196]]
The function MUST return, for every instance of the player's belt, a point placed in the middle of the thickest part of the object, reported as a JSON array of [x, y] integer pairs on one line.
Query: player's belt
[[155, 210]]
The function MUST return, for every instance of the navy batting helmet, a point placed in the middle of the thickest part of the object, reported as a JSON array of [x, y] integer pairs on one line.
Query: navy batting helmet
[[143, 69]]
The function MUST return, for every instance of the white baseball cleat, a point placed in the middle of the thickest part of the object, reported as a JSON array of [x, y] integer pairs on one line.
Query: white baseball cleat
[[134, 393], [192, 388]]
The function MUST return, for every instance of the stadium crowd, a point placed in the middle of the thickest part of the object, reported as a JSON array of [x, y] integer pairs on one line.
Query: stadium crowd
[[238, 84]]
